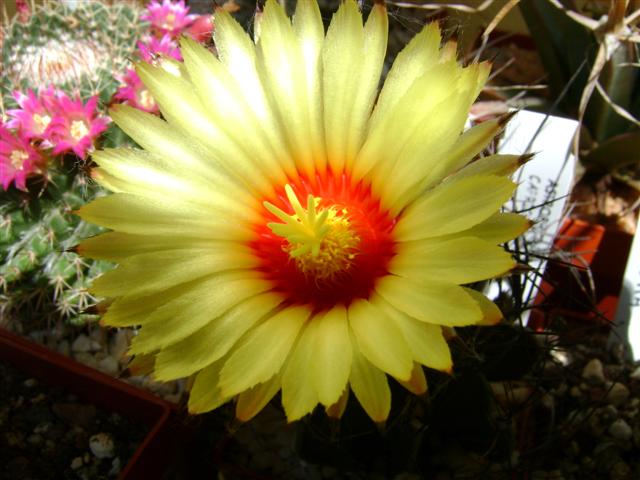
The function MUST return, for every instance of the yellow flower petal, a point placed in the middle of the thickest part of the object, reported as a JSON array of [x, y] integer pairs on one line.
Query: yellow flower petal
[[460, 260], [299, 396], [413, 112], [263, 351], [205, 394], [431, 302], [237, 52], [140, 173], [252, 401], [490, 312], [189, 115], [117, 246], [131, 310], [186, 314], [501, 165], [453, 207], [159, 138], [284, 77], [149, 272], [337, 409], [332, 355], [420, 158], [426, 341], [467, 146], [418, 56], [342, 59], [142, 364], [376, 31], [215, 339], [137, 215], [379, 339], [500, 227], [228, 107], [308, 27], [370, 386], [417, 383]]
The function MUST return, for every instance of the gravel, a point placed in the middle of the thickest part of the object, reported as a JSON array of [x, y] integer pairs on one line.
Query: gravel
[[583, 407], [49, 434]]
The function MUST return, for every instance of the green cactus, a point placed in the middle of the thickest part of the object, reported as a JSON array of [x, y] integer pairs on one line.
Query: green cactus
[[41, 278], [78, 50]]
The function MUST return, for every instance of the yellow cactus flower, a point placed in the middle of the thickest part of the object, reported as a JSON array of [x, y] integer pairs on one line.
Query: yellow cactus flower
[[287, 227]]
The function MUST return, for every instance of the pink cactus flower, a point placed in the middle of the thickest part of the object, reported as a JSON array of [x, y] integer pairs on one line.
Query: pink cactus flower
[[134, 93], [168, 17], [18, 159], [33, 118], [76, 126], [201, 29], [23, 10], [150, 48]]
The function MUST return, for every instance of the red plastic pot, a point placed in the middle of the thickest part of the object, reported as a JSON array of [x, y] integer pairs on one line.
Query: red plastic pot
[[151, 457], [591, 252]]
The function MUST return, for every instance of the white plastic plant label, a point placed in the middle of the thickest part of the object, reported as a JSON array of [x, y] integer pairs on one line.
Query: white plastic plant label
[[544, 184], [627, 320]]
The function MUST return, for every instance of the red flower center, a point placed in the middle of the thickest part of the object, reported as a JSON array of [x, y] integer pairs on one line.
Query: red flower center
[[353, 253]]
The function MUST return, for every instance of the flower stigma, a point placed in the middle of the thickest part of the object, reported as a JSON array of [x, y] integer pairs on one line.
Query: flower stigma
[[169, 22], [146, 100], [17, 158], [78, 129], [331, 251], [41, 122], [320, 241]]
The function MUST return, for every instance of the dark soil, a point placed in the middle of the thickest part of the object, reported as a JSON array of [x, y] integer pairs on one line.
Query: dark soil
[[45, 432]]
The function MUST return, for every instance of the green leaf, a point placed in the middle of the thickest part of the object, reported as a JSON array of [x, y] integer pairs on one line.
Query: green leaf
[[563, 45], [619, 81], [617, 152]]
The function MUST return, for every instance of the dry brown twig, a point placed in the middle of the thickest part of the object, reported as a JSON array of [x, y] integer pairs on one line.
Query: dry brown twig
[[612, 33], [443, 6]]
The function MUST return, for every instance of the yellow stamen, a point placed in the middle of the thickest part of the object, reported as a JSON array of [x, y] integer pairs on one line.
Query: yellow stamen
[[17, 158], [78, 129], [322, 242], [169, 21], [146, 100], [41, 121]]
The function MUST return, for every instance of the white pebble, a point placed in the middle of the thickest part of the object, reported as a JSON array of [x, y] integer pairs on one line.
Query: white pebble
[[618, 394], [116, 466], [173, 397], [119, 345], [620, 430], [98, 335], [101, 445], [87, 359], [82, 343], [108, 365], [547, 401], [593, 371], [30, 382], [76, 463], [561, 356]]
